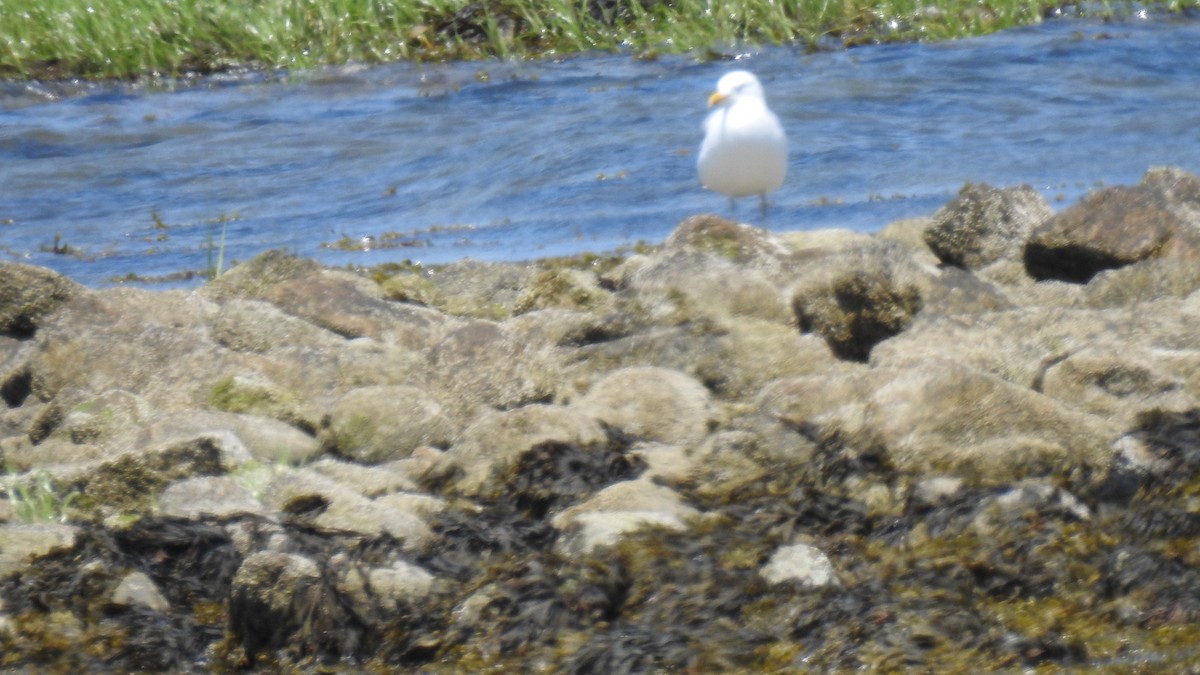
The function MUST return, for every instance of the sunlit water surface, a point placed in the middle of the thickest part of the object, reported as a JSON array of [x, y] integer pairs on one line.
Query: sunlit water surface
[[519, 160]]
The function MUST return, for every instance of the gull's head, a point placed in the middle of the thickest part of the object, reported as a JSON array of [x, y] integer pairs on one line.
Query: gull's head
[[734, 85]]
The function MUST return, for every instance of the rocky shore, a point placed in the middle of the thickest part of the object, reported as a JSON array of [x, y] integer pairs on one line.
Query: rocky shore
[[968, 443]]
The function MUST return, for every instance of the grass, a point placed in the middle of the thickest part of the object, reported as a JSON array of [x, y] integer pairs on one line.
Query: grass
[[34, 499], [57, 39]]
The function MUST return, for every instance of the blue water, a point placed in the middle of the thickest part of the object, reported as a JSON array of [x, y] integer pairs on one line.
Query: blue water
[[518, 160]]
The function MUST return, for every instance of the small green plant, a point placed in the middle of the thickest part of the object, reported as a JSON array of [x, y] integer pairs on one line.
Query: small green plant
[[37, 500], [215, 269]]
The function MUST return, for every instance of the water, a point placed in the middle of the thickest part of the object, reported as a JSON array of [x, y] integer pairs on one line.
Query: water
[[512, 161]]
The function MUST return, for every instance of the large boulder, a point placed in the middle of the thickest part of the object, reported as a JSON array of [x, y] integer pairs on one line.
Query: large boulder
[[1119, 226]]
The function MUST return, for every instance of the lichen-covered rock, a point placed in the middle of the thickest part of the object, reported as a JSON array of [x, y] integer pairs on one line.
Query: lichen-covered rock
[[856, 299], [384, 423], [733, 241], [942, 417], [1117, 385], [645, 468], [485, 365], [259, 326], [274, 597], [652, 404], [984, 224], [27, 294], [494, 443], [564, 288], [353, 306], [217, 496], [266, 439]]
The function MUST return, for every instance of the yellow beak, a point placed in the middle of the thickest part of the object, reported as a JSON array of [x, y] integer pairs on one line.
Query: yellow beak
[[716, 98]]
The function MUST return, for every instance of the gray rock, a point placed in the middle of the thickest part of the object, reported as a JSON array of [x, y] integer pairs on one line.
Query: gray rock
[[259, 326], [381, 591], [802, 564], [217, 496], [484, 364], [138, 589], [734, 241]]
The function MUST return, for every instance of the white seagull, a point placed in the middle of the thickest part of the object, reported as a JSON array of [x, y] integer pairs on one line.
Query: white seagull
[[745, 149]]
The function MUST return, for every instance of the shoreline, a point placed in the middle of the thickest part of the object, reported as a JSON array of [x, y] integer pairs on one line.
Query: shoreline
[[68, 40], [967, 443]]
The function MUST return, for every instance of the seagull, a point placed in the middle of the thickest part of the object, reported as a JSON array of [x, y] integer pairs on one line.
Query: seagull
[[745, 149]]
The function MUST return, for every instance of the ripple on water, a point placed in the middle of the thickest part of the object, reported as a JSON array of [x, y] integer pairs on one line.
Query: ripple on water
[[514, 160]]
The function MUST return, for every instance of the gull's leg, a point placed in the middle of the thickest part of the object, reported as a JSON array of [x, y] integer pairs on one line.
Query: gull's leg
[[763, 203]]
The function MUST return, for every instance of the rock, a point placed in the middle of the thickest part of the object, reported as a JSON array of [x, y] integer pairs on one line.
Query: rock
[[254, 394], [353, 306], [564, 288], [826, 240], [1117, 385], [494, 443], [259, 326], [386, 422], [413, 287], [856, 299], [942, 417], [805, 565], [370, 481], [738, 242], [266, 439], [484, 364], [1119, 226], [481, 290], [1029, 496], [27, 294], [130, 481], [1142, 282], [307, 495], [154, 344], [688, 287], [110, 420], [936, 490], [252, 279], [215, 496], [983, 225], [653, 404], [274, 598], [137, 589], [21, 544], [381, 591], [619, 509]]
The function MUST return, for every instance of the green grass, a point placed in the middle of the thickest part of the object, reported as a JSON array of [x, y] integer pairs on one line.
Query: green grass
[[134, 38], [35, 499]]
